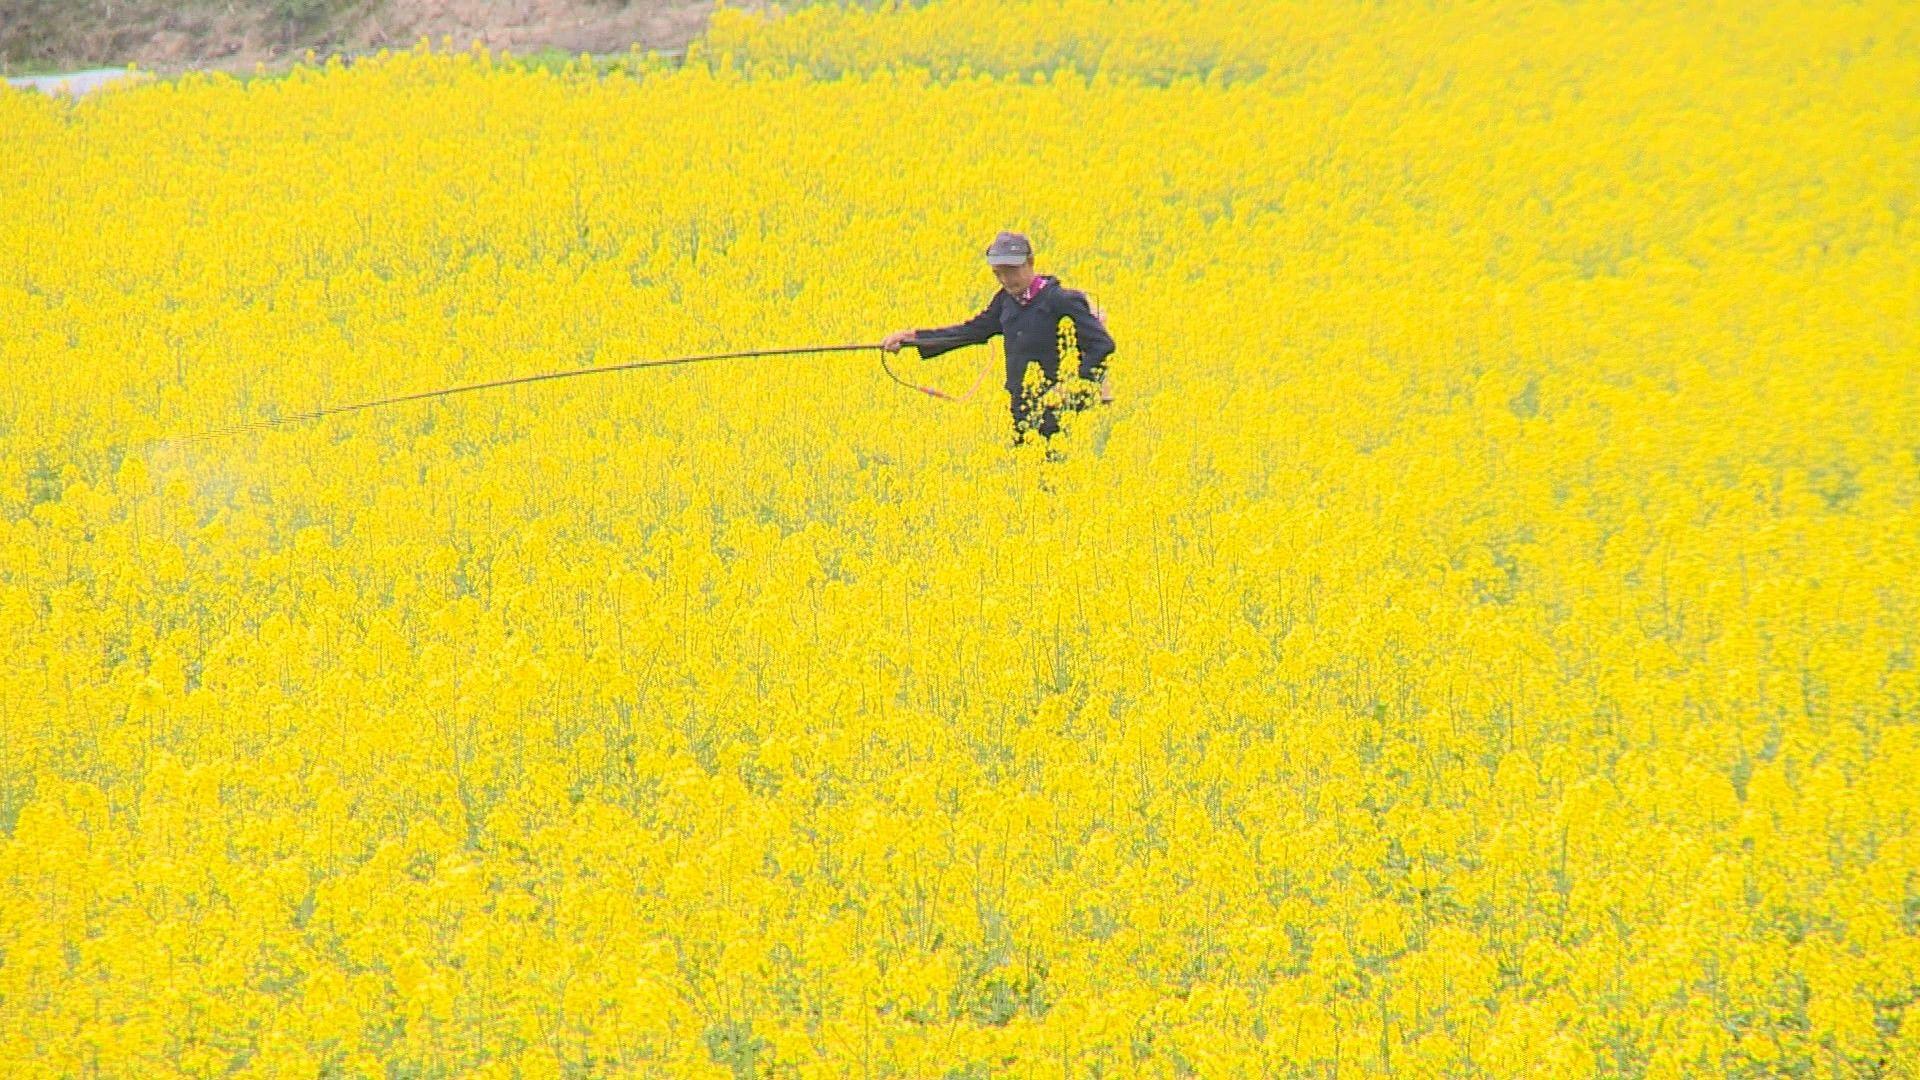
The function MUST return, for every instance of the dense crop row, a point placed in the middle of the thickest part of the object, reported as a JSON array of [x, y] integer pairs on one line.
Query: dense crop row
[[1480, 640]]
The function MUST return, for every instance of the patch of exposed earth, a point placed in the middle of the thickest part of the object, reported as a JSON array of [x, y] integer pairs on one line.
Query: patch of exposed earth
[[235, 35]]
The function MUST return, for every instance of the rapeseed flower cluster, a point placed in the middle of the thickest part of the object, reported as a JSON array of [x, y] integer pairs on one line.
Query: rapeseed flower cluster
[[1479, 639]]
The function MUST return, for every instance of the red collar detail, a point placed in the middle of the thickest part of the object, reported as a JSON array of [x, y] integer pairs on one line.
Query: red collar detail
[[1033, 289]]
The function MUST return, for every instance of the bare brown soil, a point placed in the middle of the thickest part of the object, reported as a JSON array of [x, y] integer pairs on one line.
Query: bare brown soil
[[235, 35]]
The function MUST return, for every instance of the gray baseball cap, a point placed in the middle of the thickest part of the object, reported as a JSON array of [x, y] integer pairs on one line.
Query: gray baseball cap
[[1009, 249]]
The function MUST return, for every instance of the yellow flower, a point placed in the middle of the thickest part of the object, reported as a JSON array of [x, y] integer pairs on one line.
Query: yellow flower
[[1481, 642]]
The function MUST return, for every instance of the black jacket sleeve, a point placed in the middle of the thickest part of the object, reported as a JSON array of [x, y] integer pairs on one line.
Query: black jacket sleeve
[[975, 331], [1089, 333]]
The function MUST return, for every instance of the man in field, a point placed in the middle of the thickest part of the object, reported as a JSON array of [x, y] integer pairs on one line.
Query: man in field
[[1027, 312]]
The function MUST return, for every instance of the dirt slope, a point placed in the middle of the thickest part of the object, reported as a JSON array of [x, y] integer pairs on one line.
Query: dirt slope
[[41, 35]]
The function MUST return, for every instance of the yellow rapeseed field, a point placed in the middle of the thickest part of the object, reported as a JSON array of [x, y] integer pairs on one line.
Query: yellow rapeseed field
[[1479, 640]]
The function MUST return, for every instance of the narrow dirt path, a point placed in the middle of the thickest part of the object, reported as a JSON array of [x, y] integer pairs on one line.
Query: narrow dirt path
[[76, 83]]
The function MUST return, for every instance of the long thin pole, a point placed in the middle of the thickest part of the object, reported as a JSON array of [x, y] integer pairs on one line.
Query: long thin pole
[[335, 410]]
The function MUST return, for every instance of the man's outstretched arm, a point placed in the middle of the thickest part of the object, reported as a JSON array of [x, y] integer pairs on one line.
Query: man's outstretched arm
[[975, 331]]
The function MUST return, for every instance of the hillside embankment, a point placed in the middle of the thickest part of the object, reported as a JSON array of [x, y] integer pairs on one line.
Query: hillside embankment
[[43, 36]]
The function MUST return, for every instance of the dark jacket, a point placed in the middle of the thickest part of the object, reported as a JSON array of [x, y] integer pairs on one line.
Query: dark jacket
[[1031, 331]]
